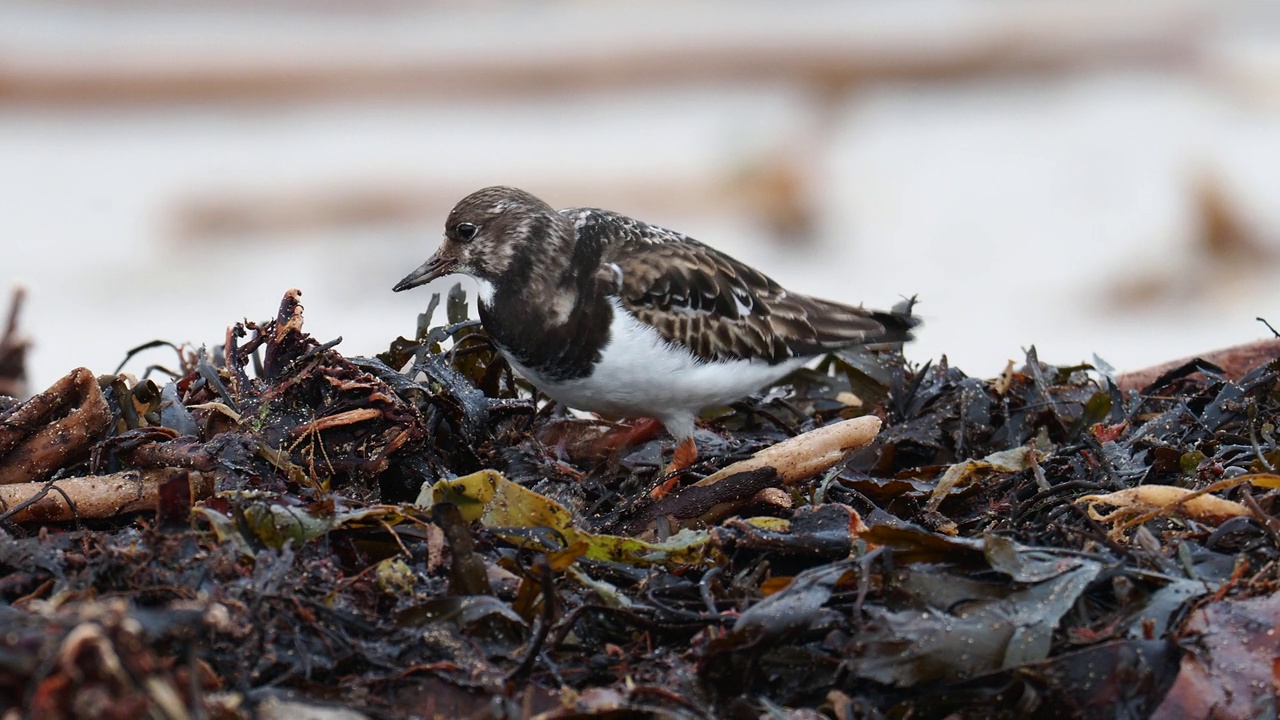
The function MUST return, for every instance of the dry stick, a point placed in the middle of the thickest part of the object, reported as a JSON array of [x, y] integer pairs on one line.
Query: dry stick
[[94, 496], [33, 499], [1165, 509], [721, 494], [806, 455], [347, 417]]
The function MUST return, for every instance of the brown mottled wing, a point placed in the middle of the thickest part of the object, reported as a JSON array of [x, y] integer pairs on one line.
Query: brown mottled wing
[[722, 309]]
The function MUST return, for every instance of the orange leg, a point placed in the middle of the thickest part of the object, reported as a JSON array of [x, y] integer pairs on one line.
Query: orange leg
[[686, 454]]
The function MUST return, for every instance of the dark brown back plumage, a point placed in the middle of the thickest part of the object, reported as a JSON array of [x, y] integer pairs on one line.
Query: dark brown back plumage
[[720, 308]]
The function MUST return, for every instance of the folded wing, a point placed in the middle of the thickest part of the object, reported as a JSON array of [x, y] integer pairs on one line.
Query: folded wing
[[721, 309]]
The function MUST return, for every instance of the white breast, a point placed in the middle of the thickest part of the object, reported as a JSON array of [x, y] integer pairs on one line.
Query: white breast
[[642, 375]]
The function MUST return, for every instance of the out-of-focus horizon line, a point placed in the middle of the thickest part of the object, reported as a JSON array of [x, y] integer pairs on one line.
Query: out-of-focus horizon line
[[145, 53]]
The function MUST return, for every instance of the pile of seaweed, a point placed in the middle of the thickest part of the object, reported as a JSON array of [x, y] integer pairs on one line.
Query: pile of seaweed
[[279, 528]]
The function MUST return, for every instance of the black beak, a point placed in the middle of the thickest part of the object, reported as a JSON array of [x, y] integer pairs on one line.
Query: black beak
[[436, 266]]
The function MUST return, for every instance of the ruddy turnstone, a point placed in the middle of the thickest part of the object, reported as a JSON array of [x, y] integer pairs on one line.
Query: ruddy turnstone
[[612, 315]]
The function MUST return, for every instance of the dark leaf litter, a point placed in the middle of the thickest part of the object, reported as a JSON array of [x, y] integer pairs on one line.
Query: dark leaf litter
[[310, 578]]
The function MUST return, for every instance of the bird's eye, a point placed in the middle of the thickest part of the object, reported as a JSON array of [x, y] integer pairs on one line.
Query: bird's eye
[[464, 231]]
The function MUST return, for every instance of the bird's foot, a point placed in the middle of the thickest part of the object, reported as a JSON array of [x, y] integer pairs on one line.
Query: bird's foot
[[686, 454]]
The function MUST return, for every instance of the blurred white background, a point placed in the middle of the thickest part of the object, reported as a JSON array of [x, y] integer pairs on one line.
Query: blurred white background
[[1088, 177]]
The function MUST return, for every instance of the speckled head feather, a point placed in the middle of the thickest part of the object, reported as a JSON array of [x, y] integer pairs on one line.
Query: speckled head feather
[[516, 235]]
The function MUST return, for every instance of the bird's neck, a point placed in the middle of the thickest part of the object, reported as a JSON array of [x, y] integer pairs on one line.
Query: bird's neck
[[545, 311], [550, 276]]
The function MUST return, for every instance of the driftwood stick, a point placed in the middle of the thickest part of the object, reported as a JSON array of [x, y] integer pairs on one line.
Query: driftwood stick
[[726, 492], [806, 455], [95, 496], [347, 417]]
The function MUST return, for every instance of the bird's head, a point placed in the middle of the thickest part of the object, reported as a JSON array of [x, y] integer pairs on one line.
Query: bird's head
[[490, 234]]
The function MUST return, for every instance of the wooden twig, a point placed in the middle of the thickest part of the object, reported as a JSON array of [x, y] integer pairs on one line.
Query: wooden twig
[[788, 462], [805, 455], [94, 496]]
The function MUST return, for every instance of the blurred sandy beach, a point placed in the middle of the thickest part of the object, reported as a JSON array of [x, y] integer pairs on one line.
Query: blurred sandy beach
[[1082, 177]]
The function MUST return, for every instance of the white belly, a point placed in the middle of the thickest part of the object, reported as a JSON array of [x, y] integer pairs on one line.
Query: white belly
[[642, 375]]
